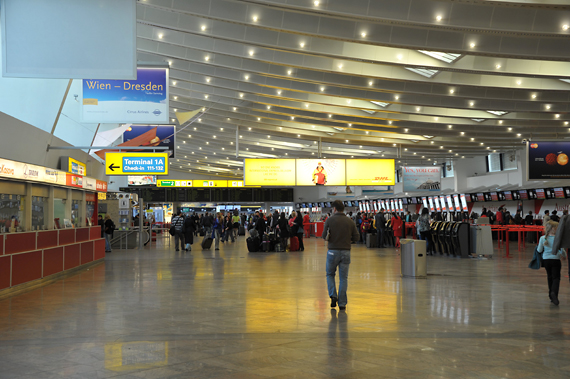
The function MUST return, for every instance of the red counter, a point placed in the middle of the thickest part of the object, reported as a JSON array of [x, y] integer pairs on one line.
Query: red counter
[[319, 226], [29, 256]]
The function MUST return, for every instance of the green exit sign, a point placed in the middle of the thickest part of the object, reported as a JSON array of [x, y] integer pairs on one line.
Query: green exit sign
[[166, 183]]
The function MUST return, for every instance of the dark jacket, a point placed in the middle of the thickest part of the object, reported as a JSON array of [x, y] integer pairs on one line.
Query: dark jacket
[[342, 232], [101, 223], [189, 226], [283, 231], [529, 220], [380, 221], [562, 237], [298, 225], [260, 226], [207, 221], [109, 227]]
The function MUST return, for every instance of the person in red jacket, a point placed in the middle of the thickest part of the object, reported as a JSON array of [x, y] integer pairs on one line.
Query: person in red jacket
[[306, 226], [397, 227], [320, 175]]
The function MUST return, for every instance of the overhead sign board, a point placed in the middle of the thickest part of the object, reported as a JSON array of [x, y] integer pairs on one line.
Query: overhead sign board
[[548, 160], [370, 172], [420, 179], [73, 166], [210, 183], [144, 100], [174, 183], [136, 163]]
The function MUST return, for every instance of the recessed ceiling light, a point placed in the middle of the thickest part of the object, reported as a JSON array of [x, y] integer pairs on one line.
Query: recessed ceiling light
[[472, 139], [292, 117], [363, 34], [248, 128], [279, 92], [258, 119], [322, 89], [472, 45], [397, 97], [432, 142], [254, 18], [340, 66], [418, 109], [450, 126], [441, 147], [400, 56], [406, 149], [207, 80], [390, 122], [406, 130], [533, 96], [175, 97], [471, 103], [306, 105], [367, 132], [313, 126], [518, 134], [462, 133], [346, 141], [548, 107], [160, 36], [451, 91], [349, 125], [565, 27], [510, 129], [203, 27], [498, 66], [370, 83], [289, 72], [280, 128], [207, 58], [438, 17], [436, 118], [175, 110], [250, 53], [349, 101], [302, 44], [173, 83], [268, 136], [247, 77], [500, 121], [269, 107], [565, 122], [330, 115], [481, 144], [557, 115], [298, 135], [316, 2], [519, 82]]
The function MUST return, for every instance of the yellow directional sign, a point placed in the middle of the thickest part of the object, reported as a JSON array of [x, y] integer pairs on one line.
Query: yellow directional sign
[[136, 163]]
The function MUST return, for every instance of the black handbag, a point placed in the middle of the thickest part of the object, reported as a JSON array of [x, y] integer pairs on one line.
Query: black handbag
[[172, 230]]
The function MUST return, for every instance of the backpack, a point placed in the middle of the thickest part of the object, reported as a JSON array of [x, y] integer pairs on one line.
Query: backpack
[[365, 225]]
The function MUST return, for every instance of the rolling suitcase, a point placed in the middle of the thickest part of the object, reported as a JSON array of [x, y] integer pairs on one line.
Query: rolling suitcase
[[252, 244], [279, 247], [294, 244], [241, 231], [207, 243], [371, 241]]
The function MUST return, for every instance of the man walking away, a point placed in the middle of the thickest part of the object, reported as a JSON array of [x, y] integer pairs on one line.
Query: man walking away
[[178, 223], [207, 223], [380, 223], [340, 231]]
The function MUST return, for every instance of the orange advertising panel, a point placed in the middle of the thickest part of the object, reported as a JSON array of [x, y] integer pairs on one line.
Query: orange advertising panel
[[370, 172], [269, 172], [321, 172]]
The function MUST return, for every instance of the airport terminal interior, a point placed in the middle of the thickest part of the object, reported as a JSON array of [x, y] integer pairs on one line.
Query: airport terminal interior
[[149, 148]]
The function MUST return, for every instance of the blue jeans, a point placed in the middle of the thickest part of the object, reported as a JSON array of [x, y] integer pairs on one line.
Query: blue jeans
[[340, 258], [107, 242]]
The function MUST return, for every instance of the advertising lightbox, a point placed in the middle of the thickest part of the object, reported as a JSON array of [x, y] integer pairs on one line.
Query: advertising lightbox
[[370, 172], [427, 178], [329, 172], [269, 172], [548, 160], [144, 100]]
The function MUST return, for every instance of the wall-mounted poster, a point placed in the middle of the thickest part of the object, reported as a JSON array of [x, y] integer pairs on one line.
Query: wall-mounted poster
[[548, 160], [370, 172], [427, 178], [321, 172], [144, 100], [269, 172]]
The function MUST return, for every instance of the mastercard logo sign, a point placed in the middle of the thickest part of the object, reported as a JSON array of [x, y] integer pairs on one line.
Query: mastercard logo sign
[[534, 145]]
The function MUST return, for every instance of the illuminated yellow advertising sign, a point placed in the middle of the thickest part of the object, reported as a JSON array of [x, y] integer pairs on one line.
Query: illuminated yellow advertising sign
[[321, 172], [210, 183], [370, 172], [76, 167], [269, 172]]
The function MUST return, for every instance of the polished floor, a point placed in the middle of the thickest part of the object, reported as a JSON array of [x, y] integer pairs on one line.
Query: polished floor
[[229, 314]]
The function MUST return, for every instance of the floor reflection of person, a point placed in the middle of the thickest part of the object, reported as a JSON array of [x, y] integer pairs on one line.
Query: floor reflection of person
[[320, 175]]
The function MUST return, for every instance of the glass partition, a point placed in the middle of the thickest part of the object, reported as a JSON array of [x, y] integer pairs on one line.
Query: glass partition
[[11, 213], [39, 212]]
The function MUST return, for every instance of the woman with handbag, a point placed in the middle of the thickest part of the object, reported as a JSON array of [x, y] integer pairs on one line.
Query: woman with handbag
[[551, 260]]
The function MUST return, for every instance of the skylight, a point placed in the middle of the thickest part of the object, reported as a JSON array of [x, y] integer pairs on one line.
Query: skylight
[[445, 57], [478, 119], [368, 111], [566, 80], [428, 73], [428, 137], [498, 113], [339, 129]]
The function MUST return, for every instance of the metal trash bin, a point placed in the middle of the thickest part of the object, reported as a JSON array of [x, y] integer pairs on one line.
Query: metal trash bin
[[413, 256]]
